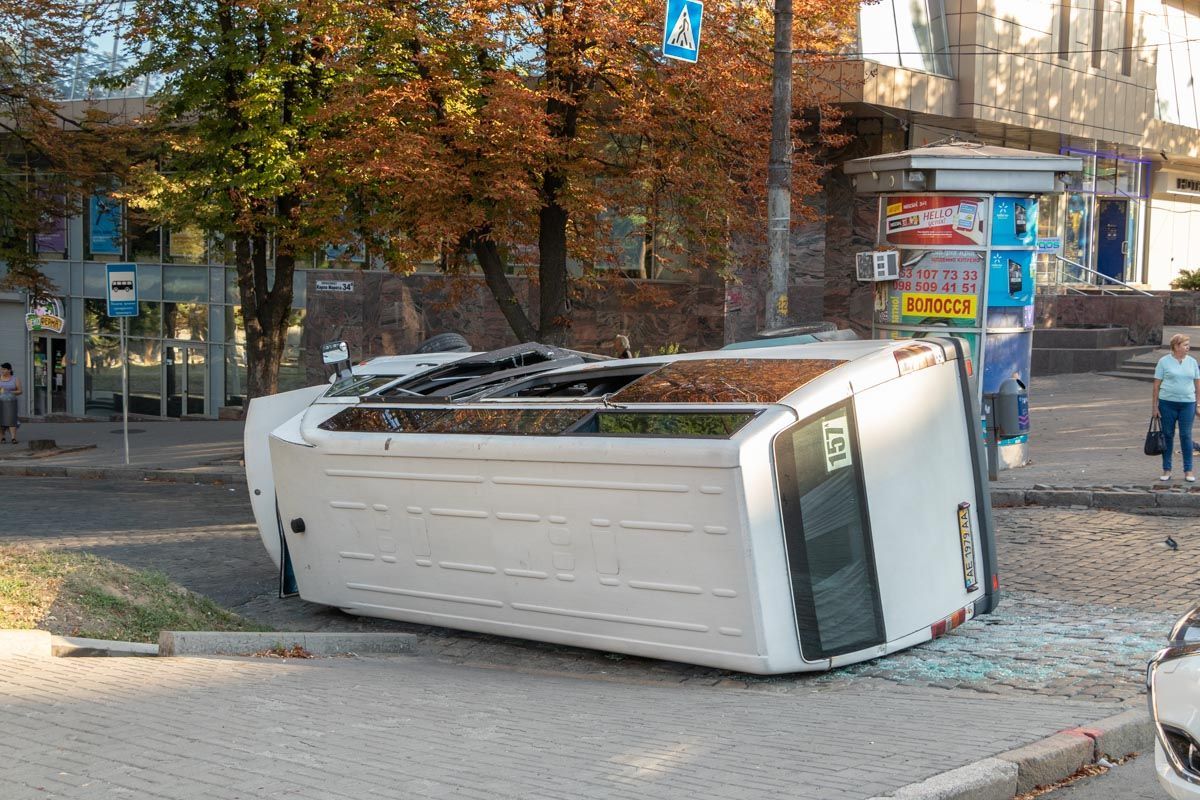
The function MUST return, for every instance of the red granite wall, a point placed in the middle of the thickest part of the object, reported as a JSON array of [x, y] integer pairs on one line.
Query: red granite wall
[[1180, 307], [1142, 316], [387, 314]]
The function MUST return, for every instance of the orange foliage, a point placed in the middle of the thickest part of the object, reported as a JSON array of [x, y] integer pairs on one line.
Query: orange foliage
[[463, 128]]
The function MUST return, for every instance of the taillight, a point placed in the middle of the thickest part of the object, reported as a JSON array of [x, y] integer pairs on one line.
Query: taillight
[[944, 626], [970, 367], [996, 582]]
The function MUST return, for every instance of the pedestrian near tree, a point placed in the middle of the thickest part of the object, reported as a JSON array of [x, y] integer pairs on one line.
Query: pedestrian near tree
[[1176, 382], [10, 388]]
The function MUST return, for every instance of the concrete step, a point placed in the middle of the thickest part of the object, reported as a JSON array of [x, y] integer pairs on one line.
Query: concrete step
[[1060, 360], [1138, 368], [1147, 377]]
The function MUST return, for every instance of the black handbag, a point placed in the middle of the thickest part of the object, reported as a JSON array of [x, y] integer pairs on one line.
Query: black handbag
[[1155, 443]]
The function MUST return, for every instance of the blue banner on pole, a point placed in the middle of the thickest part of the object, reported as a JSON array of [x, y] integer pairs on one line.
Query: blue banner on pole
[[104, 219]]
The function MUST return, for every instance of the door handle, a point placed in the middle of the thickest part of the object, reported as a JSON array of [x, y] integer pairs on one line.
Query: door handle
[[1125, 247]]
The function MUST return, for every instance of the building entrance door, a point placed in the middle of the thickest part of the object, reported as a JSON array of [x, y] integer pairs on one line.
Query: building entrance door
[[186, 379], [49, 378], [1112, 241]]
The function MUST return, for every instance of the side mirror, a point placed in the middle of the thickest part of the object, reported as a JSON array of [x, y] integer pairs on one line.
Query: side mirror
[[337, 354]]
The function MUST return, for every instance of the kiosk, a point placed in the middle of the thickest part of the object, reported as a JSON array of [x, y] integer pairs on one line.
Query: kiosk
[[962, 221]]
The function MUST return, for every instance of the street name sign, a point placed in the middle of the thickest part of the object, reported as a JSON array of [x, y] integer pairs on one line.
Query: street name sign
[[122, 290], [681, 30]]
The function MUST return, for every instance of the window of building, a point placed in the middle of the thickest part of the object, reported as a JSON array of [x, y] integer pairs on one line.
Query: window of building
[[1064, 30], [185, 321], [145, 244], [1127, 43], [105, 48], [1097, 43], [1178, 50], [905, 33]]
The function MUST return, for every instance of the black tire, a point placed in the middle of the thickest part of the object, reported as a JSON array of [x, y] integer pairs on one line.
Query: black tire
[[444, 343], [797, 330]]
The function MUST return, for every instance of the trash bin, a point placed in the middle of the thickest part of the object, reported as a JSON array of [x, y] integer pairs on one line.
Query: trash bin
[[8, 410]]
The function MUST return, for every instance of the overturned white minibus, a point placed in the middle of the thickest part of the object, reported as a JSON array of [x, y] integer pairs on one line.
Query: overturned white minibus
[[766, 510]]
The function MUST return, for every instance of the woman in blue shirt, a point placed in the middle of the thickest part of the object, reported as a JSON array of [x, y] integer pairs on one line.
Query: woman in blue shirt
[[1176, 381]]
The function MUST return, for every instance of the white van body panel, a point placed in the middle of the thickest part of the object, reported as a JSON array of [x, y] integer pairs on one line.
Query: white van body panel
[[914, 517], [264, 415], [645, 553], [653, 545]]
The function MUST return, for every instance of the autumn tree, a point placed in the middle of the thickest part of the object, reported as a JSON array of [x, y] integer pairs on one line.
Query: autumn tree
[[52, 151], [471, 131], [241, 83]]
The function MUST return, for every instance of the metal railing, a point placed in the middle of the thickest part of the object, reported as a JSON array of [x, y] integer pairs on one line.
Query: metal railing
[[1075, 278]]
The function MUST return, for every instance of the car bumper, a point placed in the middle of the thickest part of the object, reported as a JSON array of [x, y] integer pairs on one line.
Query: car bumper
[[1173, 694]]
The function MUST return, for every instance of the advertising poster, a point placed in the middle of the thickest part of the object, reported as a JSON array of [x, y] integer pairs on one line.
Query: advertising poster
[[1014, 222], [936, 287], [923, 221], [104, 218], [1010, 278], [1008, 356], [52, 229], [186, 243]]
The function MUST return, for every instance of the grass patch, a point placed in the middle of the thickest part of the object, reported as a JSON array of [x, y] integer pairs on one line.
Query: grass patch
[[70, 593]]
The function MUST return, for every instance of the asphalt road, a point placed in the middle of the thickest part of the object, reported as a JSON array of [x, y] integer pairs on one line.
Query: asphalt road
[[1133, 780]]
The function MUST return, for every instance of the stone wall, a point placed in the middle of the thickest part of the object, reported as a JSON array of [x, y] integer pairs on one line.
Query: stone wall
[[1142, 316], [806, 282], [1180, 307], [387, 314], [850, 229]]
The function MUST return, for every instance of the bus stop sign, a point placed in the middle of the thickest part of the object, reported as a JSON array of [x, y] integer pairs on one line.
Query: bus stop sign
[[122, 290]]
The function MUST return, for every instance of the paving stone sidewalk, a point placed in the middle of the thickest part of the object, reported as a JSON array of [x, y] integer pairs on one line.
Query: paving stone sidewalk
[[410, 728]]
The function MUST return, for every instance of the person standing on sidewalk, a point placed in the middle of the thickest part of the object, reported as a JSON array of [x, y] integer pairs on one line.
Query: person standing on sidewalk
[[10, 387], [1176, 381]]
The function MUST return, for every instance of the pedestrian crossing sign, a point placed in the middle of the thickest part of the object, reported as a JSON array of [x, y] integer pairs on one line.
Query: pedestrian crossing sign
[[681, 31]]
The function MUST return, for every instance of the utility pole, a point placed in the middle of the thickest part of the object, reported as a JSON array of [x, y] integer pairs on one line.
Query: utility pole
[[779, 170]]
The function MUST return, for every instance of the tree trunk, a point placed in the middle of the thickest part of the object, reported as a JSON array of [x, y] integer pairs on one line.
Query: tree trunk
[[554, 321], [502, 292], [266, 310]]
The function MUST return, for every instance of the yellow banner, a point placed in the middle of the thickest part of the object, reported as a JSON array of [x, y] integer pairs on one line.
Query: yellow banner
[[954, 306]]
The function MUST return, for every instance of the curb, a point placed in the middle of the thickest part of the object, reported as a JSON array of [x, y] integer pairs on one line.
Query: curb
[[1058, 756], [76, 647], [24, 643], [43, 644], [122, 473], [234, 643], [1122, 498]]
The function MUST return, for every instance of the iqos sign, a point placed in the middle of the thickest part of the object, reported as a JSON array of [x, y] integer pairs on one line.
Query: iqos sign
[[1177, 183]]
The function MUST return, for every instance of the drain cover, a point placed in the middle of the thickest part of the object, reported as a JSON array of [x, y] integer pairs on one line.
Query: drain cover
[[131, 430]]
